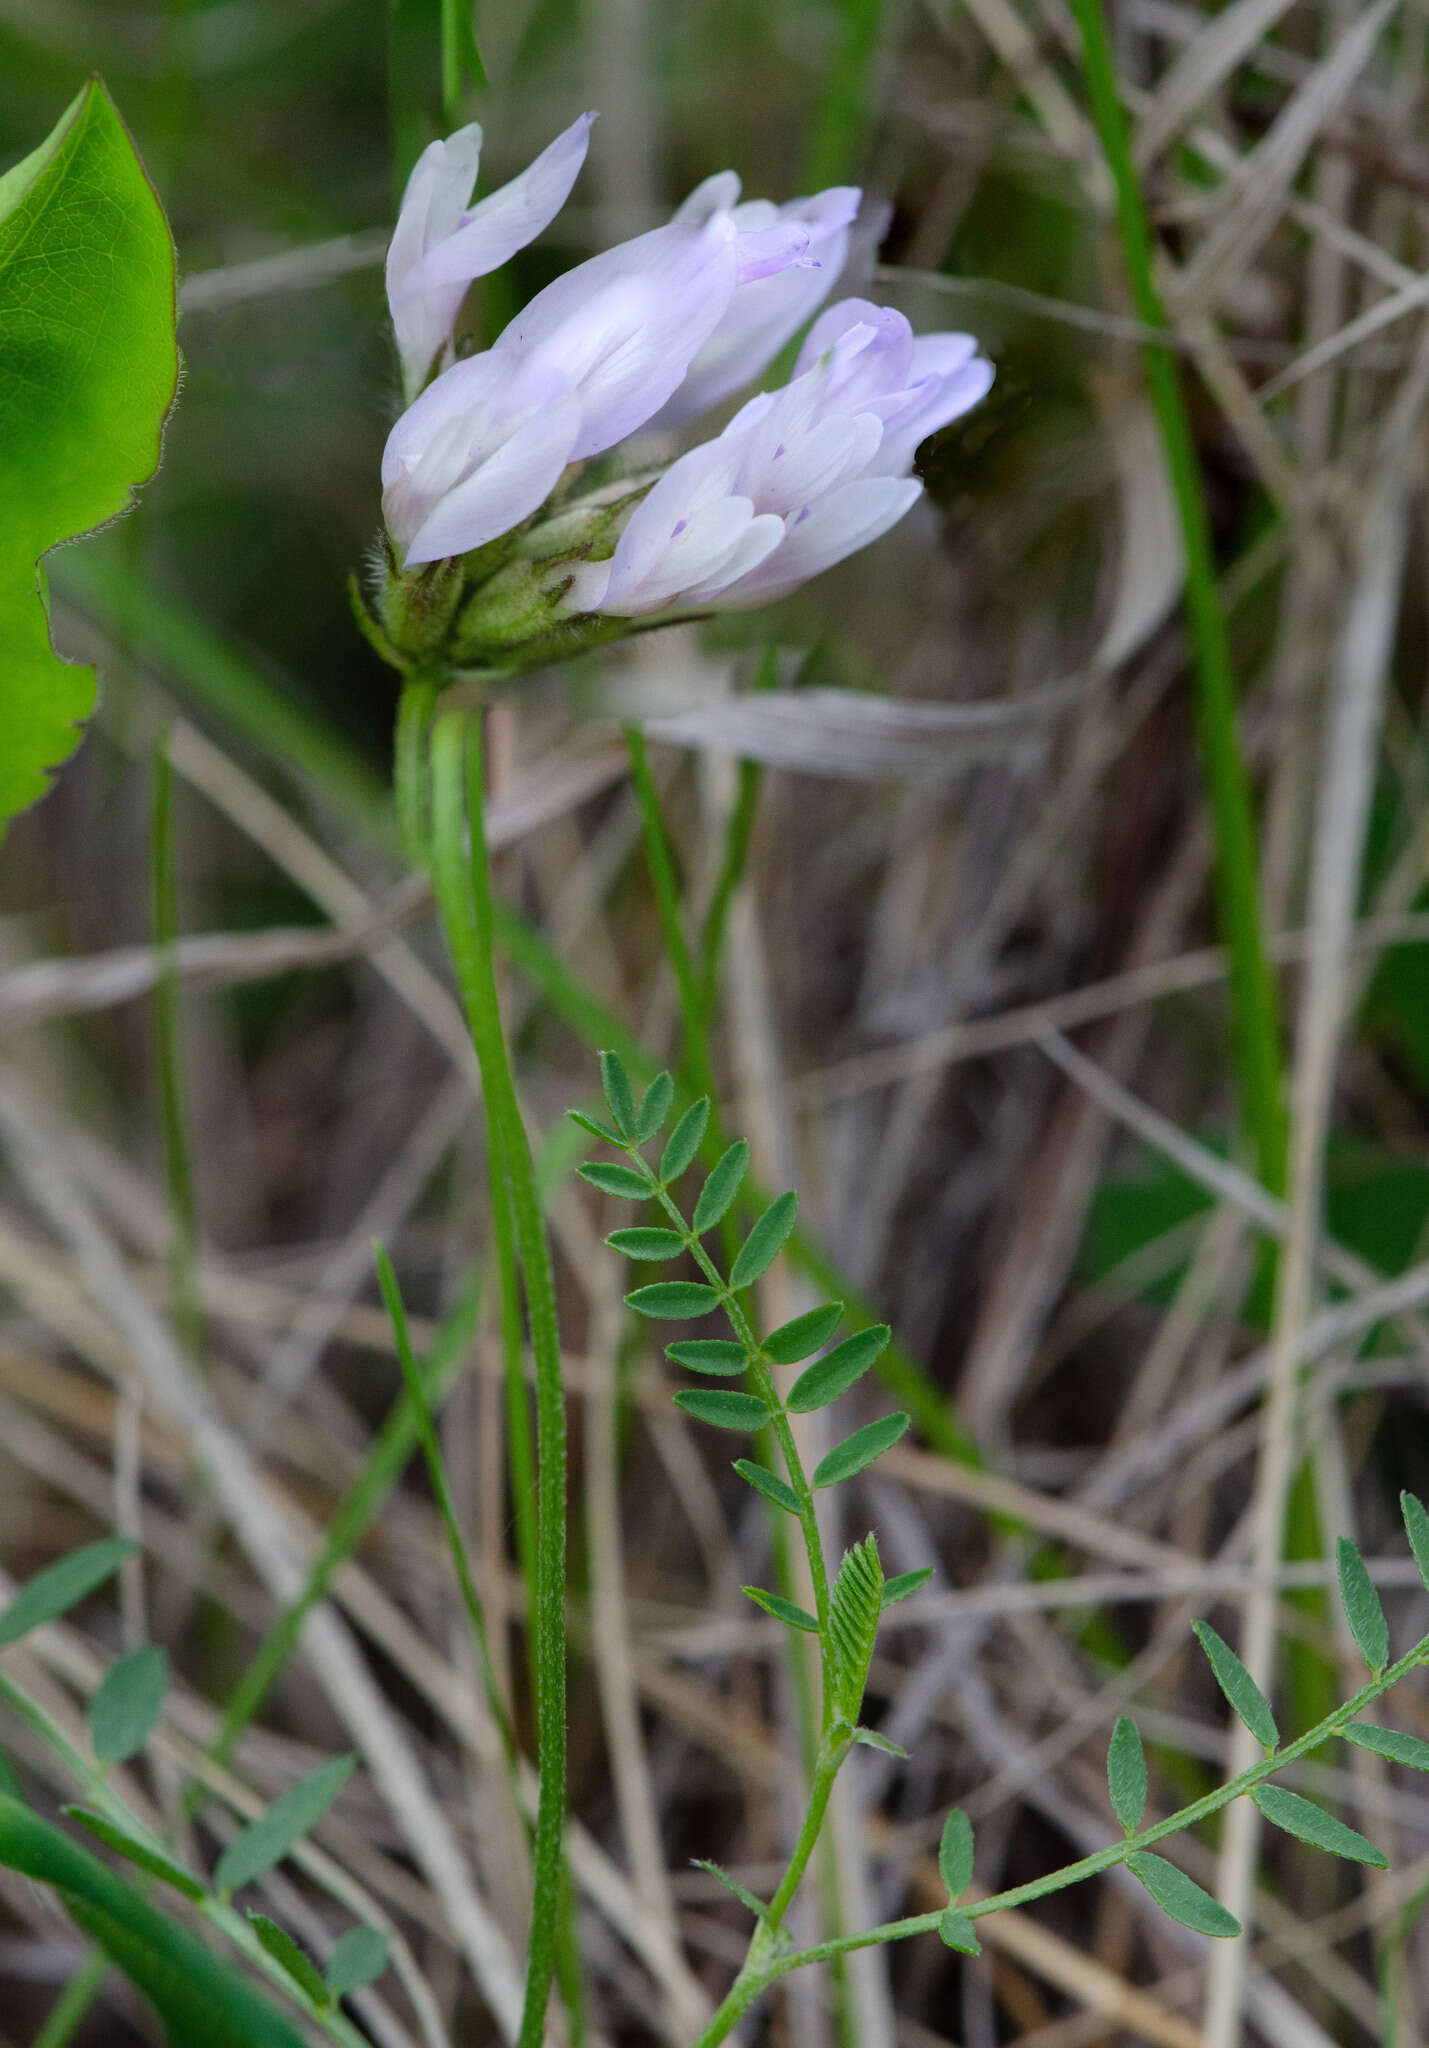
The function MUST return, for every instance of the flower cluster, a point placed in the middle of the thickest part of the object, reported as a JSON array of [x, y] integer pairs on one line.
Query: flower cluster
[[648, 334]]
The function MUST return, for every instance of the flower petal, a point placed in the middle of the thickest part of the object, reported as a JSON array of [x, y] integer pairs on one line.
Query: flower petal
[[497, 226], [824, 533]]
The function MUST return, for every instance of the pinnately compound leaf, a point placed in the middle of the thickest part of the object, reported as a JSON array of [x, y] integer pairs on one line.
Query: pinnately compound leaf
[[719, 1356], [358, 1958], [684, 1141], [674, 1301], [859, 1450], [63, 1585], [127, 1704], [268, 1839], [1310, 1823], [905, 1584], [654, 1109], [804, 1336], [1182, 1897], [616, 1083], [721, 1187], [136, 1852], [1126, 1774], [1362, 1606], [288, 1956], [769, 1484], [1416, 1528], [854, 1608], [617, 1180], [1238, 1686], [1390, 1743], [746, 1898], [723, 1408], [956, 1931], [955, 1854], [834, 1374], [782, 1609], [646, 1242], [765, 1241]]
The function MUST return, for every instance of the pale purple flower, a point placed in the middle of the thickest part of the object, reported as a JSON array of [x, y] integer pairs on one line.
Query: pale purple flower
[[766, 312], [476, 454], [800, 478], [441, 243]]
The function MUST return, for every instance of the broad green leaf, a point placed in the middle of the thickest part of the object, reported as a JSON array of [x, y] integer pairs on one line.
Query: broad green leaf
[[746, 1898], [616, 1180], [955, 1854], [769, 1484], [903, 1585], [804, 1336], [854, 1608], [859, 1450], [871, 1739], [765, 1241], [720, 1356], [136, 1852], [674, 1301], [646, 1243], [1362, 1606], [61, 1586], [358, 1958], [1389, 1742], [268, 1839], [956, 1930], [721, 1187], [782, 1609], [288, 1956], [1416, 1527], [654, 1108], [1182, 1897], [596, 1128], [1238, 1686], [88, 370], [834, 1374], [723, 1408], [1126, 1774], [1310, 1823], [127, 1704], [684, 1141], [616, 1083]]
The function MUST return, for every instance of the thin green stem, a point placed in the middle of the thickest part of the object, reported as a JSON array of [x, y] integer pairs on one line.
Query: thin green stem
[[1255, 1020], [463, 895], [409, 767], [69, 2009]]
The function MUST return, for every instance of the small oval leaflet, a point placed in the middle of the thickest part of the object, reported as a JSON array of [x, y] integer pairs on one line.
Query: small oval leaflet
[[268, 1839], [288, 1956], [782, 1609], [1390, 1743], [616, 1083], [61, 1586], [828, 1377], [358, 1958], [722, 1407], [903, 1585], [1244, 1695], [721, 1187], [654, 1108], [1182, 1897], [616, 1180], [769, 1484], [646, 1243], [1126, 1774], [765, 1242], [128, 1703], [1310, 1823], [596, 1128], [674, 1301], [136, 1852], [720, 1356], [858, 1450], [804, 1336], [956, 1931], [684, 1141], [1362, 1606], [1416, 1528], [955, 1854]]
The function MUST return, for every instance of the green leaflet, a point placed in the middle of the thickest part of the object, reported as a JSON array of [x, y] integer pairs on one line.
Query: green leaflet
[[720, 1356], [616, 1083], [654, 1108], [1310, 1823], [136, 1852], [1362, 1606], [647, 1241], [769, 1484], [63, 1585], [88, 370], [834, 1374], [616, 1180], [1126, 1774], [905, 1584], [1390, 1743], [765, 1241], [955, 1854], [128, 1703], [721, 1187], [285, 1952], [1238, 1686], [359, 1958], [684, 1141], [675, 1301], [804, 1336], [859, 1450], [854, 1609], [268, 1839], [782, 1609], [723, 1408], [1182, 1897], [956, 1930], [1416, 1528]]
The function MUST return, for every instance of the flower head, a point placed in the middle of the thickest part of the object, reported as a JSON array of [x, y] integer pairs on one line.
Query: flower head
[[440, 243]]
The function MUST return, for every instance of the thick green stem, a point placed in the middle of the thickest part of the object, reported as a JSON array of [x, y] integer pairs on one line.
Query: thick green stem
[[464, 899]]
